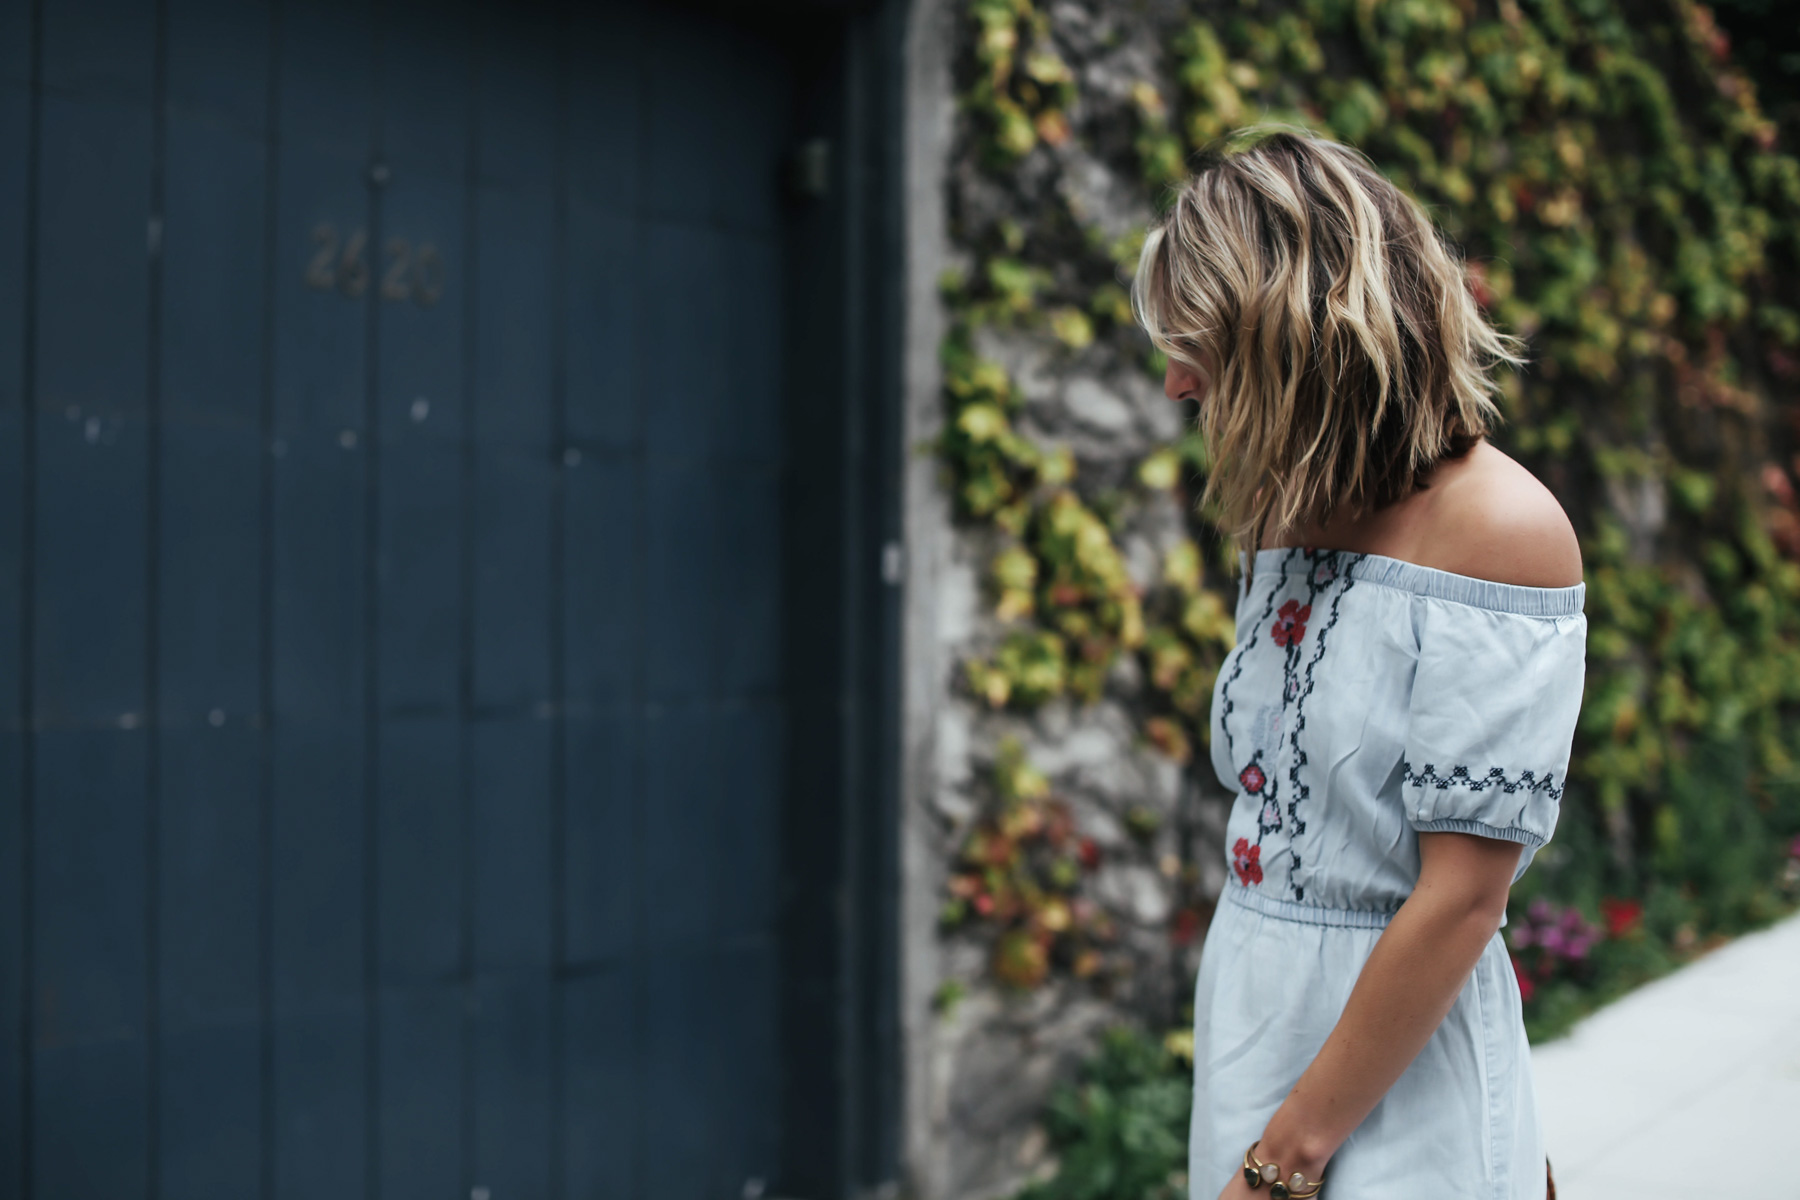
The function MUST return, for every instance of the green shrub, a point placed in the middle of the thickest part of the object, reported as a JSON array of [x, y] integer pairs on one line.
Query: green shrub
[[1120, 1132]]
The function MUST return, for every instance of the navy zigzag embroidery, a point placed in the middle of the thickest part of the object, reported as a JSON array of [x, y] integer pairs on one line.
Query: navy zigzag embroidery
[[1527, 781], [1237, 667], [1299, 790]]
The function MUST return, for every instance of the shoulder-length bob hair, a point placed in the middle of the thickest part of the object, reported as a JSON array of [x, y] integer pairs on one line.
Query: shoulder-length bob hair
[[1343, 354]]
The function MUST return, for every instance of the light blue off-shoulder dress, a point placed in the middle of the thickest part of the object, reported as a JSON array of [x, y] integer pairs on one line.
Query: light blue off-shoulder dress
[[1368, 700]]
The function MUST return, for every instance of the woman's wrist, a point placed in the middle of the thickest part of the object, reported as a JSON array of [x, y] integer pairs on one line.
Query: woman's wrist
[[1294, 1150]]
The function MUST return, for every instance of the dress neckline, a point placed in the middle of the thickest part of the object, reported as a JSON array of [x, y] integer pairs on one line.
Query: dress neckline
[[1365, 567]]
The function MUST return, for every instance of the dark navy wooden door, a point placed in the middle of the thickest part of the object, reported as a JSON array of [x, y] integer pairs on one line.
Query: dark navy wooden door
[[391, 748]]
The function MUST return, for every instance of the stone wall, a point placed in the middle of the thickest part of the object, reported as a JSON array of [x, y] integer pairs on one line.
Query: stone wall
[[980, 1068]]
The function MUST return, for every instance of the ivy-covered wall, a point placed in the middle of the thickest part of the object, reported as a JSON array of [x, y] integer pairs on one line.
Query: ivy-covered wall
[[1624, 204]]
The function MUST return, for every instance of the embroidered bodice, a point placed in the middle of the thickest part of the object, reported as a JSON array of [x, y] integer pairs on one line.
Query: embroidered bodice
[[1369, 699]]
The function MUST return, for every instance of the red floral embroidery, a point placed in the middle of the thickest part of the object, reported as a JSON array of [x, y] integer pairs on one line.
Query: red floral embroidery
[[1244, 860], [1252, 778], [1290, 623]]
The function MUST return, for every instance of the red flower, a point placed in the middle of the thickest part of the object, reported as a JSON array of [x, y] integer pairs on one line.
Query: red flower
[[1622, 916], [1290, 623], [1244, 860], [1089, 853], [1526, 987], [1252, 778]]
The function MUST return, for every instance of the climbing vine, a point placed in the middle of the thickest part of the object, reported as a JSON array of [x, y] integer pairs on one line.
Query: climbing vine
[[1624, 205]]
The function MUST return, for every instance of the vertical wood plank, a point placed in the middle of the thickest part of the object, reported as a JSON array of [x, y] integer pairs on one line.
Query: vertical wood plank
[[604, 862], [209, 554], [603, 510], [209, 974], [686, 571], [421, 841], [749, 740], [419, 576], [218, 64], [605, 361], [514, 495], [209, 1105], [691, 326], [14, 980], [513, 370], [715, 118], [320, 859], [100, 47], [511, 1073], [681, 828], [421, 598], [16, 30], [15, 142], [321, 1144], [425, 132], [511, 845], [513, 479], [420, 1093], [604, 1153], [685, 1053], [510, 1023], [683, 778], [512, 908], [607, 46], [747, 419], [90, 1086], [516, 122], [750, 737], [211, 1089], [91, 958], [746, 629], [92, 329]]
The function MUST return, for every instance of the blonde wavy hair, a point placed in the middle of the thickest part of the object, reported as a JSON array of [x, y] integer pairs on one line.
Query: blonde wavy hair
[[1343, 352]]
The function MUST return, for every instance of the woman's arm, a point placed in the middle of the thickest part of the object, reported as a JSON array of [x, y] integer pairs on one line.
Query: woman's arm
[[1419, 965]]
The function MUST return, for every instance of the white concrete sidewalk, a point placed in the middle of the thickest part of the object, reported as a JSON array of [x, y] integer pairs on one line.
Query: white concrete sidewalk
[[1687, 1087]]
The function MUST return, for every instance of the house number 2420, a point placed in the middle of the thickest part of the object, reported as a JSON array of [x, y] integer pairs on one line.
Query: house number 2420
[[341, 264]]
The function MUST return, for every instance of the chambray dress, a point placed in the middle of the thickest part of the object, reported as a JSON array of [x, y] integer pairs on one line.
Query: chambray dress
[[1367, 700]]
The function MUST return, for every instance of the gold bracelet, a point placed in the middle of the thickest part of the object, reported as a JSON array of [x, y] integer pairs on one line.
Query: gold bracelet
[[1257, 1173]]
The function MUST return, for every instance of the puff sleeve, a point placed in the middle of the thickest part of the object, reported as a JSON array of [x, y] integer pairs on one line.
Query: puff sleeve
[[1492, 716]]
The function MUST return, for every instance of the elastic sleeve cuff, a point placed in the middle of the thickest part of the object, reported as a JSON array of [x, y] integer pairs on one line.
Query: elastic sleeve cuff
[[1509, 833]]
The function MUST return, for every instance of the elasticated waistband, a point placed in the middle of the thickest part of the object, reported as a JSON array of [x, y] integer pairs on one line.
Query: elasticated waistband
[[1306, 914]]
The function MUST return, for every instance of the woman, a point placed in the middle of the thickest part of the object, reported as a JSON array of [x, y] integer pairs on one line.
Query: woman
[[1396, 716]]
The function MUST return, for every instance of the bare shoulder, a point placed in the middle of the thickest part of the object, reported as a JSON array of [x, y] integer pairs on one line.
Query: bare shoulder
[[1496, 520]]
